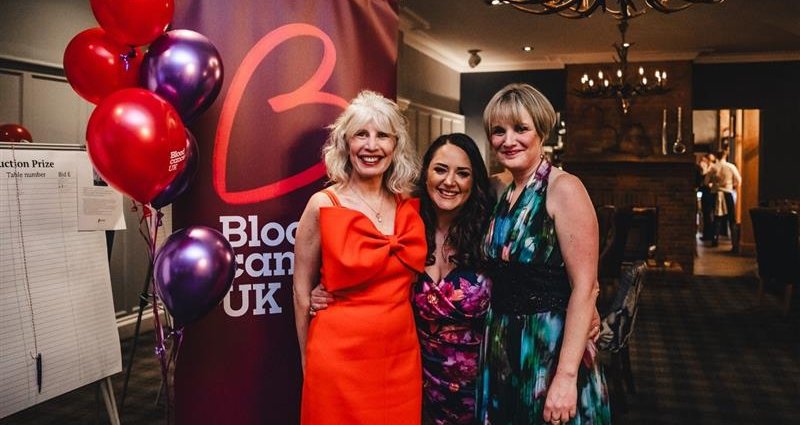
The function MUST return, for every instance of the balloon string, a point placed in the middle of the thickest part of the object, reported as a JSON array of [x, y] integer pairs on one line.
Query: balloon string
[[161, 353], [177, 341], [154, 221], [144, 228], [126, 58]]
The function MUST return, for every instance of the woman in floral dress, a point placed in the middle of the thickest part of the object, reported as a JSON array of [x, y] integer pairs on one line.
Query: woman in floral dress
[[537, 366], [451, 297]]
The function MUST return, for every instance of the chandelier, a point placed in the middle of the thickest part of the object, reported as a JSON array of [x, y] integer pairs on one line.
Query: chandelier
[[623, 84], [584, 8]]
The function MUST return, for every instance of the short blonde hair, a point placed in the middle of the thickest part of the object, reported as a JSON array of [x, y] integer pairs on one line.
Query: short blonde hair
[[508, 104], [368, 107]]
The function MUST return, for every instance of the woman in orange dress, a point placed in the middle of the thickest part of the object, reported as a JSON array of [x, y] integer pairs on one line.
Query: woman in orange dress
[[365, 242]]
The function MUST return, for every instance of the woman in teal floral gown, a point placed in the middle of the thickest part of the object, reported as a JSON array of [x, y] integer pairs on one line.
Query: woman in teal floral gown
[[537, 366]]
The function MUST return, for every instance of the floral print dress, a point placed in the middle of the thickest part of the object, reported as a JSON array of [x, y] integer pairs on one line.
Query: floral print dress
[[450, 325], [525, 324]]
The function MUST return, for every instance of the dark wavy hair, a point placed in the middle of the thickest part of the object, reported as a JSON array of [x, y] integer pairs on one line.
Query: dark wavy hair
[[469, 226]]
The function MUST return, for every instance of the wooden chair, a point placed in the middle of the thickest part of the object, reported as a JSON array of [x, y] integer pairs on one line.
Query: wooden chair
[[610, 262], [777, 234], [605, 224], [643, 235]]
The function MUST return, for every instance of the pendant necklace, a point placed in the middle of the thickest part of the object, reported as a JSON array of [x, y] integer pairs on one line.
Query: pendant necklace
[[377, 212]]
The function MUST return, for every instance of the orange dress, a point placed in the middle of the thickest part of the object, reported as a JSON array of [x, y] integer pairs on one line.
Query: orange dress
[[362, 354]]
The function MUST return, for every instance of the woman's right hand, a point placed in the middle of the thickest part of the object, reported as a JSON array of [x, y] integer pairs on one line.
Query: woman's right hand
[[594, 329], [320, 299]]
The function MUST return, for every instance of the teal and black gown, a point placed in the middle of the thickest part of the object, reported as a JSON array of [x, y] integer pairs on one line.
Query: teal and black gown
[[525, 323]]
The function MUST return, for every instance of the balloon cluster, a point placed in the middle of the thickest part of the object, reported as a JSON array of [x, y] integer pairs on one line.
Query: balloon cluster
[[137, 140], [136, 136]]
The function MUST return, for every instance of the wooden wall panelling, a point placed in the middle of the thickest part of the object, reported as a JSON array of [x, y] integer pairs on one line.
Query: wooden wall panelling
[[748, 164], [10, 97], [426, 123]]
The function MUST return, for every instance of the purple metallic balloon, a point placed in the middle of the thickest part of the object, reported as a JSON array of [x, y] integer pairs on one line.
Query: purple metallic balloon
[[181, 181], [185, 69], [193, 271]]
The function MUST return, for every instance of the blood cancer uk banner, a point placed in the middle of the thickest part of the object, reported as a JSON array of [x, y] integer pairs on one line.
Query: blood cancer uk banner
[[290, 68]]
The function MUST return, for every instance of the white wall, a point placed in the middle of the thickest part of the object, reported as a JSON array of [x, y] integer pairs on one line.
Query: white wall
[[425, 81], [37, 31]]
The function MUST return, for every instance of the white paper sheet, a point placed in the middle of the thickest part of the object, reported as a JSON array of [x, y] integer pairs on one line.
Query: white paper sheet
[[99, 207], [54, 282]]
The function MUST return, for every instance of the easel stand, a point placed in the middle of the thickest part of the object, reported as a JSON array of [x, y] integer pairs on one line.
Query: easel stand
[[107, 391], [143, 301]]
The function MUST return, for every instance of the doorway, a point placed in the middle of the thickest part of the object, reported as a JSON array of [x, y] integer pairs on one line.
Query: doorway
[[738, 132]]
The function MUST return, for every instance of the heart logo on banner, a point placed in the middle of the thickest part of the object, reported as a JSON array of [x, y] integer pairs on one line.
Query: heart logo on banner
[[309, 93]]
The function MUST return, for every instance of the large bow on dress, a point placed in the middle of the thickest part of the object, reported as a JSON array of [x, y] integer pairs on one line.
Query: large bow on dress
[[354, 250]]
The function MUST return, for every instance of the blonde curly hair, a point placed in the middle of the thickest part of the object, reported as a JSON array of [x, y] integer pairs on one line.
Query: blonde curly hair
[[367, 107]]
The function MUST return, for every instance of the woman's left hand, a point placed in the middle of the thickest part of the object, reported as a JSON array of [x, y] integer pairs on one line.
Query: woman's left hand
[[562, 399]]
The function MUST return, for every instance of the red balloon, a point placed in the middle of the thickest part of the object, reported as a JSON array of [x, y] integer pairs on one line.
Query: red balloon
[[15, 133], [136, 142], [97, 66], [133, 22]]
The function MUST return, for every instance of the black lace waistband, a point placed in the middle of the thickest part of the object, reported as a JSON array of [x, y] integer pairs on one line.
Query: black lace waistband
[[527, 289]]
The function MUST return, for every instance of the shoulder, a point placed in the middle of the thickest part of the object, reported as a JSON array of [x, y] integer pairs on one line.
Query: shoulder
[[566, 194], [319, 200], [562, 183]]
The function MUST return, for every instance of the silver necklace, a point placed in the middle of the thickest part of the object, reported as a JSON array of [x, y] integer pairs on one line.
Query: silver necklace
[[377, 212]]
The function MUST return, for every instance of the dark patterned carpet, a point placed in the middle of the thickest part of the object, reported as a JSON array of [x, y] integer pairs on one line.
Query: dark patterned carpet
[[702, 353]]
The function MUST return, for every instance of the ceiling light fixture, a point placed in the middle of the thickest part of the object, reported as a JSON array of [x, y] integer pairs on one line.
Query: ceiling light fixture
[[623, 85], [474, 59], [584, 8], [527, 48]]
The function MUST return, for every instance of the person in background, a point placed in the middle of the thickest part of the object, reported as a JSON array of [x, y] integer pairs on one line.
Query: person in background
[[708, 197], [537, 366], [725, 181], [364, 239]]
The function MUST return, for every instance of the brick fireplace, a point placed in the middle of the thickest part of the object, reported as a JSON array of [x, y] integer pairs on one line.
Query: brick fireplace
[[619, 157], [668, 186]]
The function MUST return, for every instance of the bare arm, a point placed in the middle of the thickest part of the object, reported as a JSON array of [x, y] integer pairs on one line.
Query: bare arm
[[576, 227], [308, 258]]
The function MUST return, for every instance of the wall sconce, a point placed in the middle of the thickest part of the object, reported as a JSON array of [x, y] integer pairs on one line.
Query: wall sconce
[[474, 59]]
